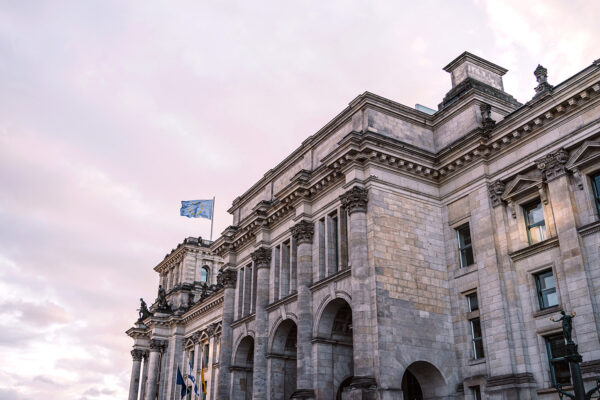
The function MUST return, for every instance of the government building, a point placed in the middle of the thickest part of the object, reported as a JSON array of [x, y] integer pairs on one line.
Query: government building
[[398, 253]]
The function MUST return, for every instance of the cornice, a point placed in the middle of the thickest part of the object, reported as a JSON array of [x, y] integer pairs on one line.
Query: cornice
[[534, 249], [199, 309], [589, 229]]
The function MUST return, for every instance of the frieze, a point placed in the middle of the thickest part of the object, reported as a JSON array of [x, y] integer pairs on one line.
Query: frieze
[[355, 200], [303, 232]]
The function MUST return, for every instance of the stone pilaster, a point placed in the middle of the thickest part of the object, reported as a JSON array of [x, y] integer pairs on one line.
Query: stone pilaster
[[174, 358], [262, 259], [363, 333], [134, 383], [303, 234], [576, 295], [228, 278], [553, 165], [156, 348]]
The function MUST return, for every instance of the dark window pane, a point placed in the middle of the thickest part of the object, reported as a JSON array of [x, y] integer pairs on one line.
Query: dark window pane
[[472, 302], [465, 246], [556, 348], [596, 186], [476, 338], [546, 289]]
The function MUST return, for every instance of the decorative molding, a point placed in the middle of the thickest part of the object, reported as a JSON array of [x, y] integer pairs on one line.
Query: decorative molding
[[304, 394], [303, 232], [261, 257], [589, 229], [553, 165], [520, 186], [286, 300], [470, 84], [338, 276], [355, 200], [510, 379], [541, 76], [496, 190], [534, 249], [158, 345], [590, 367], [200, 309], [137, 354], [227, 278], [487, 123], [586, 155]]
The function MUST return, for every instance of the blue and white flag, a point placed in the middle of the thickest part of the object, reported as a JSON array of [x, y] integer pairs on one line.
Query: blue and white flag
[[197, 209], [193, 379], [181, 382]]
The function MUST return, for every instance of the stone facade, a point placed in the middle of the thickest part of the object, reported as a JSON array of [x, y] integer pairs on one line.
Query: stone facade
[[399, 255]]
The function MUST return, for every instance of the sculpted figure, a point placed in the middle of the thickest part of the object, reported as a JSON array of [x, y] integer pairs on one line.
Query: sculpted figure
[[567, 324], [143, 310]]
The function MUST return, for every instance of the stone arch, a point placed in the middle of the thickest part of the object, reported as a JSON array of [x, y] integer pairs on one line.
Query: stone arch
[[282, 357], [333, 347], [275, 326], [424, 381], [242, 369], [205, 274]]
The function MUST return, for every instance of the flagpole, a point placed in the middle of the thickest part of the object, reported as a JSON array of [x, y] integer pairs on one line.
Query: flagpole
[[212, 219]]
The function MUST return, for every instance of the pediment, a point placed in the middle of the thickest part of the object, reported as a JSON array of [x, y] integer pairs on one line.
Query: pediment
[[522, 184], [189, 343], [586, 154]]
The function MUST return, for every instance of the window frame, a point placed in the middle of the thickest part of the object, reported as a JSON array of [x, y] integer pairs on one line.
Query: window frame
[[463, 249], [475, 392], [540, 293], [528, 226], [469, 296], [595, 181], [475, 340], [550, 356], [205, 269]]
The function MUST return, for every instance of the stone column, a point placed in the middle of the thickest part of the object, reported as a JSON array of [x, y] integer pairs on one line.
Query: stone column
[[156, 347], [144, 376], [576, 296], [303, 235], [363, 335], [227, 278], [262, 259], [134, 383]]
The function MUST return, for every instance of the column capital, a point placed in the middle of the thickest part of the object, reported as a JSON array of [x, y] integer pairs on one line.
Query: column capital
[[261, 257], [227, 278], [137, 354], [496, 190], [303, 232], [355, 200], [552, 165], [157, 345]]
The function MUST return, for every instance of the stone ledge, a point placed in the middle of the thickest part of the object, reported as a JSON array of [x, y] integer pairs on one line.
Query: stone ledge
[[547, 311], [242, 320], [335, 277], [287, 299], [534, 249], [589, 229], [589, 367], [510, 379]]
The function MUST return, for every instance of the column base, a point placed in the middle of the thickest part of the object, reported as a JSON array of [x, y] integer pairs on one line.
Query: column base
[[361, 388], [304, 394]]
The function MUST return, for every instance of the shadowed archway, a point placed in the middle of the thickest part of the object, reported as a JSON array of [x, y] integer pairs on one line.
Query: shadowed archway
[[242, 369], [282, 360], [423, 381]]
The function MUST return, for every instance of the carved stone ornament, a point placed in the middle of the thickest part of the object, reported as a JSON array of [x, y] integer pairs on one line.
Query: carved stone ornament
[[495, 190], [261, 257], [157, 345], [162, 304], [541, 75], [137, 354], [303, 232], [487, 123], [227, 278], [355, 200], [553, 165]]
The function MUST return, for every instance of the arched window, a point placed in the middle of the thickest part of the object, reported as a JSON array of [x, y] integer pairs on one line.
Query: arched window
[[204, 273]]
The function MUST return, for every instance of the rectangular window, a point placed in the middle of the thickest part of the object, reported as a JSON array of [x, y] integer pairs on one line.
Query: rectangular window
[[465, 248], [476, 338], [475, 392], [596, 187], [559, 371], [546, 289], [535, 223], [472, 303]]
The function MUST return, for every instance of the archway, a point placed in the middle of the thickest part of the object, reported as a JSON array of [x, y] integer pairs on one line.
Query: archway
[[423, 381], [242, 368], [334, 351], [282, 360]]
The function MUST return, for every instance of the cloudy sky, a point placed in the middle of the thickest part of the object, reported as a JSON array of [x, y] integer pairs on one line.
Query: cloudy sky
[[111, 112]]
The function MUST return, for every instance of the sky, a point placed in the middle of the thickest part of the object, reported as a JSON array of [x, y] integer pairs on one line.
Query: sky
[[112, 112]]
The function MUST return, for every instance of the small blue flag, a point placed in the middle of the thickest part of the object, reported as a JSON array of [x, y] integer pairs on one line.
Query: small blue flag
[[197, 209], [193, 379], [181, 382]]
